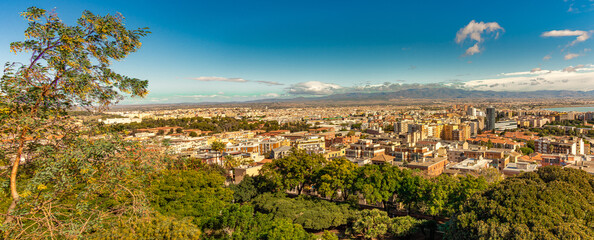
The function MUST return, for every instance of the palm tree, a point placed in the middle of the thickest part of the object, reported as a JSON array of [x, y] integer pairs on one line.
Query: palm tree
[[219, 147]]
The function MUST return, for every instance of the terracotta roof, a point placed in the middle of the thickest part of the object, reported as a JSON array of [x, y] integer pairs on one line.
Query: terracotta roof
[[383, 158]]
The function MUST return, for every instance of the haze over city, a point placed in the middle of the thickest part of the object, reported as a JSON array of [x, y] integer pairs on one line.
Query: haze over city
[[224, 51]]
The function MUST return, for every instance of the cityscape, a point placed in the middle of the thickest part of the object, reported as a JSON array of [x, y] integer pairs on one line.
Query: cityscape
[[329, 120]]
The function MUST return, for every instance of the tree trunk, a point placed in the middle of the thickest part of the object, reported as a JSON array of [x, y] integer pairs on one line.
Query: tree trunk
[[13, 179]]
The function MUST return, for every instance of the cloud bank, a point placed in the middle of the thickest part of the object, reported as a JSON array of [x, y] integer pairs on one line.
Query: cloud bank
[[313, 88], [576, 78]]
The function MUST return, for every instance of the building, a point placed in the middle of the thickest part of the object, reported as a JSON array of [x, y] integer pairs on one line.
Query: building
[[364, 148], [519, 167], [311, 144], [506, 125], [491, 117], [430, 166], [382, 159], [280, 152], [587, 166], [471, 165], [547, 146], [335, 153], [557, 160], [240, 172]]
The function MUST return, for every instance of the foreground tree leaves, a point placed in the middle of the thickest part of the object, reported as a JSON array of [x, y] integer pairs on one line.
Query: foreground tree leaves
[[69, 66], [78, 186]]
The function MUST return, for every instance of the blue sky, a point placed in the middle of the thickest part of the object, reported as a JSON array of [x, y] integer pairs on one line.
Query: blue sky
[[202, 51]]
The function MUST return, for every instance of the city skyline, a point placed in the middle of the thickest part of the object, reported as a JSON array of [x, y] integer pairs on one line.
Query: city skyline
[[240, 51]]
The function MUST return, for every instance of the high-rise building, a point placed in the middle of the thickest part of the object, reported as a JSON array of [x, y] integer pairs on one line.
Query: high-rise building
[[490, 121], [471, 112]]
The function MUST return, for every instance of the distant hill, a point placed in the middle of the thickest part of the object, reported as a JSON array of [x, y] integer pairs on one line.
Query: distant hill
[[367, 98], [437, 93]]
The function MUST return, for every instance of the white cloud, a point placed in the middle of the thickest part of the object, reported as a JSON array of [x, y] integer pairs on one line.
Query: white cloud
[[313, 88], [237, 80], [534, 71], [573, 69], [578, 6], [547, 57], [571, 56], [581, 36], [219, 79], [475, 31], [270, 95], [472, 50], [578, 78], [270, 83]]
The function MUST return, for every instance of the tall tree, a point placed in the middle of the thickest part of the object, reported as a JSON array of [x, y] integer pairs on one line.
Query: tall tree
[[377, 183], [336, 177], [69, 66], [218, 147], [295, 171]]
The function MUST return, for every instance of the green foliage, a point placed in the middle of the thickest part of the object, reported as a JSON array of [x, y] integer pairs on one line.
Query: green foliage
[[553, 203], [295, 171], [242, 222], [405, 226], [79, 184], [371, 224], [187, 193], [337, 176], [377, 183], [311, 213], [69, 65], [245, 191], [217, 146], [193, 134], [215, 124], [329, 236], [526, 150], [159, 227]]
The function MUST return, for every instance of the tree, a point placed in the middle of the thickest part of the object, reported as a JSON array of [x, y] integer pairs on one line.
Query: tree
[[405, 226], [179, 130], [329, 236], [336, 177], [526, 150], [377, 183], [218, 147], [186, 193], [159, 227], [245, 190], [69, 65], [295, 171], [371, 224], [193, 134], [311, 213], [552, 203], [243, 223]]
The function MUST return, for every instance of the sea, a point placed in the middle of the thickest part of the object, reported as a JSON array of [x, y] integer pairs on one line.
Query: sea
[[572, 109]]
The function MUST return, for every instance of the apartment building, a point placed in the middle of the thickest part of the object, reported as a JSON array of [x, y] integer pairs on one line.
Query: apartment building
[[364, 148], [430, 166]]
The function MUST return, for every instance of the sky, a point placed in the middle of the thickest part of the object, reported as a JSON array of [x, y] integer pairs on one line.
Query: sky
[[213, 51]]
